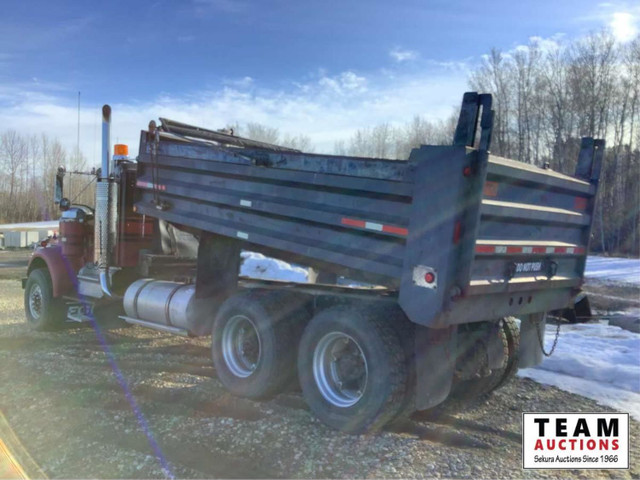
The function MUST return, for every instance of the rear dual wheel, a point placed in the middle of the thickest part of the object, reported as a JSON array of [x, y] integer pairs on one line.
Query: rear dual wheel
[[254, 342], [351, 362], [352, 368]]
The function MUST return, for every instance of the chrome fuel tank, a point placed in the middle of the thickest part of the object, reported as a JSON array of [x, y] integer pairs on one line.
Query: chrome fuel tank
[[167, 303]]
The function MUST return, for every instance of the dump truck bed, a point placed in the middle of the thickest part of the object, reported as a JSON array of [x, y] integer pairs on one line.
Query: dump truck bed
[[462, 235]]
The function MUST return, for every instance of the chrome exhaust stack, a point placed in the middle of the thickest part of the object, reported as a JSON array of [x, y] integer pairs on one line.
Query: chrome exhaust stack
[[105, 213]]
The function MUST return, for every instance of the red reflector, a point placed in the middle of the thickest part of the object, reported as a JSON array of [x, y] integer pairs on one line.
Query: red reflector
[[490, 189], [514, 249], [467, 171], [429, 277], [580, 203], [457, 232], [539, 250]]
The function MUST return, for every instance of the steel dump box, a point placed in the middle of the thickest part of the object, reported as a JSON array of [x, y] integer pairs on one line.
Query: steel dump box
[[461, 235]]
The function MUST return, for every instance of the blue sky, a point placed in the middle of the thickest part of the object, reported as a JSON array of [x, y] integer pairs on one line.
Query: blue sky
[[322, 68]]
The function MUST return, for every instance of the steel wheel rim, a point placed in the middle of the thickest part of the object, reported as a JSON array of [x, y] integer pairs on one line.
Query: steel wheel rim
[[241, 346], [35, 301], [340, 369]]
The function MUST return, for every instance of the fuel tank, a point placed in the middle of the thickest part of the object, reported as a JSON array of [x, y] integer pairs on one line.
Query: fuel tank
[[169, 304]]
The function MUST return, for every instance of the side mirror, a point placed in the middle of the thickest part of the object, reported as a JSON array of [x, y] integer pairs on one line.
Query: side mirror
[[57, 191]]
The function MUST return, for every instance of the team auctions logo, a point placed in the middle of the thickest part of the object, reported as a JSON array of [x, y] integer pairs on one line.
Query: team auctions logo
[[575, 440]]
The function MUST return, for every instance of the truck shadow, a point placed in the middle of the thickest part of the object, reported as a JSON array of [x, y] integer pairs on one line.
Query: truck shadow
[[437, 434], [462, 424], [187, 402]]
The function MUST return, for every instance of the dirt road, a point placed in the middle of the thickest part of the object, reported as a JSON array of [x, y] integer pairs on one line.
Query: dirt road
[[114, 402]]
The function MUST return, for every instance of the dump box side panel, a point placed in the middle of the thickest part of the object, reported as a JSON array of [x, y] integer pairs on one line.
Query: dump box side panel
[[355, 217]]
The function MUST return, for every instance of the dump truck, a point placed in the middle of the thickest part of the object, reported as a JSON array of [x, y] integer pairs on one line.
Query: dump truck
[[431, 276]]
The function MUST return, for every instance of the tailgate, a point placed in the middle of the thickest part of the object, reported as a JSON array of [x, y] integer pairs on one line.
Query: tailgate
[[533, 231], [532, 239], [491, 237]]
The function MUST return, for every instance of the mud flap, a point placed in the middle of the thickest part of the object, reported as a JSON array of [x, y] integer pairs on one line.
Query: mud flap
[[435, 357], [218, 266], [530, 353]]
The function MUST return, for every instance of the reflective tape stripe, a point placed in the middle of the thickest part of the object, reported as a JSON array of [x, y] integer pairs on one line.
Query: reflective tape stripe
[[396, 230], [512, 249], [373, 226], [157, 186], [376, 227], [354, 223], [485, 249]]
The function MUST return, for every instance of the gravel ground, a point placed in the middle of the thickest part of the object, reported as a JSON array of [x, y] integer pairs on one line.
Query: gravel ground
[[79, 417]]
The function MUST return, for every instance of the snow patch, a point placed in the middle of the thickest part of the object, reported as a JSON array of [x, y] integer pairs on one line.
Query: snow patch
[[595, 360], [616, 270], [627, 402], [256, 265]]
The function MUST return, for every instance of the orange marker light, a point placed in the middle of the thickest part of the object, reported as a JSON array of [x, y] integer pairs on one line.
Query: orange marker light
[[121, 150]]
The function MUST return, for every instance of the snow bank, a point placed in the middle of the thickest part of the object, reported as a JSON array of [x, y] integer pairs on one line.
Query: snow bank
[[595, 360], [256, 265], [618, 270]]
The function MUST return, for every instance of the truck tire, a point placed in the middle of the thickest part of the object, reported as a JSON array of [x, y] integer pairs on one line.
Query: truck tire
[[512, 333], [352, 368], [43, 311], [468, 392], [254, 340]]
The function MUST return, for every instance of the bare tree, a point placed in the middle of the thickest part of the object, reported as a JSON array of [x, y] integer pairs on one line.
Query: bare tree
[[13, 155], [260, 132], [495, 76]]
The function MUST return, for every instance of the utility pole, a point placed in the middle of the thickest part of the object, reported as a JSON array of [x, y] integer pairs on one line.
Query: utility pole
[[77, 149]]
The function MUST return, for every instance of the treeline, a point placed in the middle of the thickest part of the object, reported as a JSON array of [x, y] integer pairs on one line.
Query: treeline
[[547, 96], [265, 133], [396, 142], [28, 165]]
